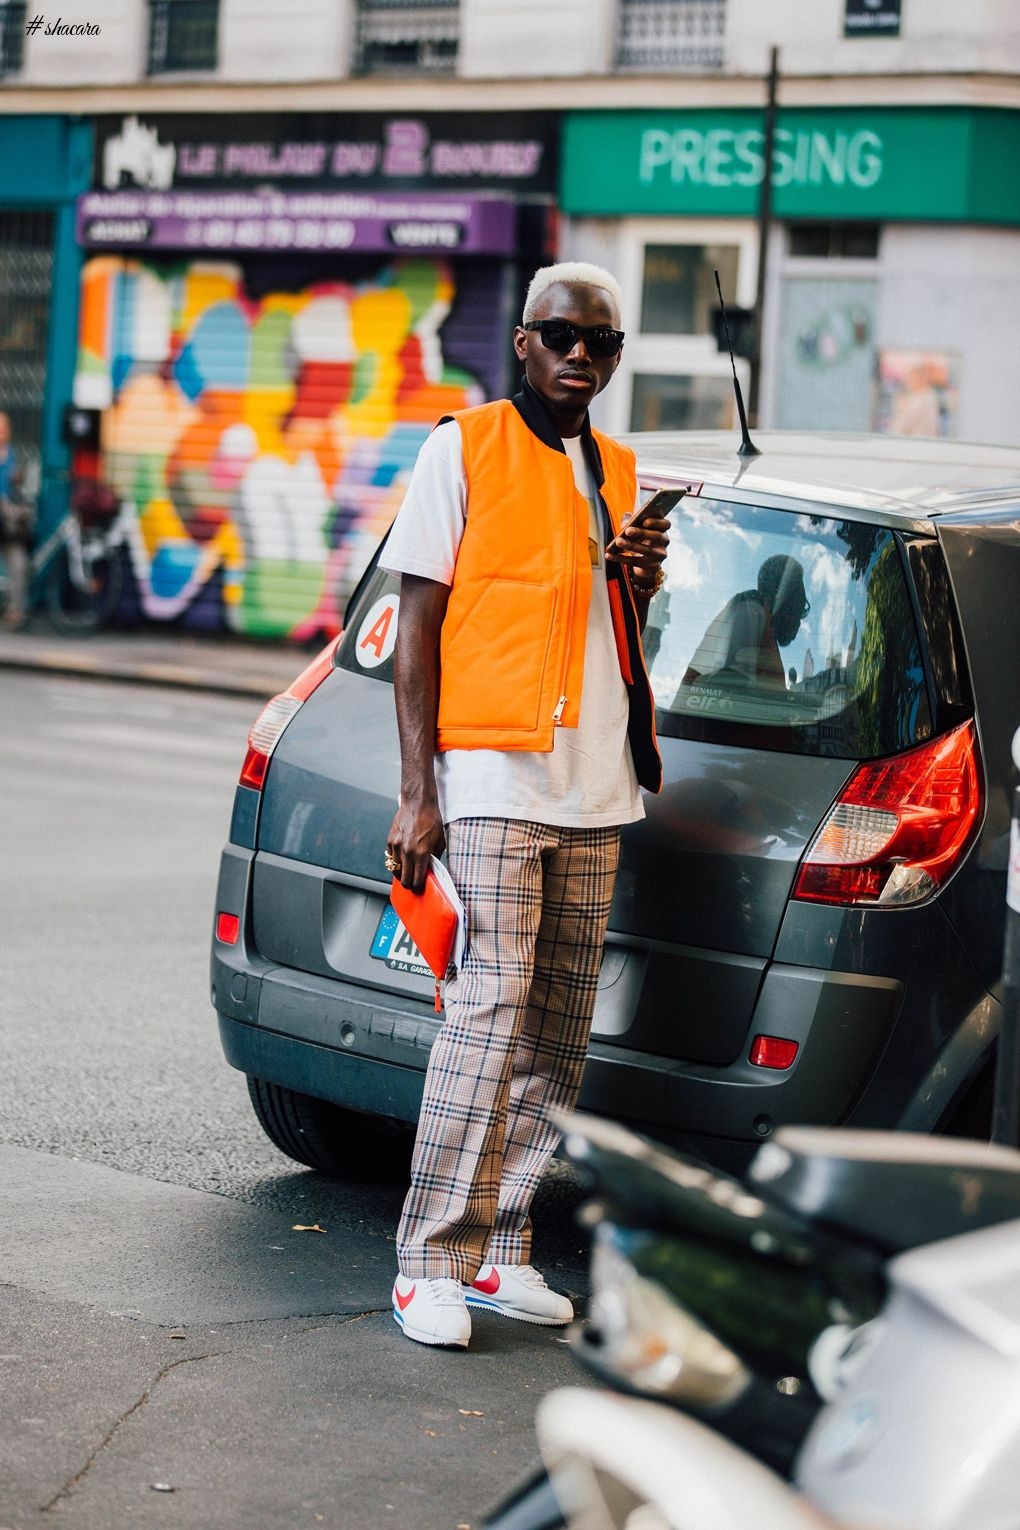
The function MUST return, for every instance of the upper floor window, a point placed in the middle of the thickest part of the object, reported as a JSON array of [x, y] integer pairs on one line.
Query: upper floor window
[[674, 35], [835, 241], [12, 35], [403, 35], [678, 294], [182, 35]]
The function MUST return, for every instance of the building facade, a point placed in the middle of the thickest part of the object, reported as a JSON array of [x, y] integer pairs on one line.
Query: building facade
[[303, 239], [893, 261]]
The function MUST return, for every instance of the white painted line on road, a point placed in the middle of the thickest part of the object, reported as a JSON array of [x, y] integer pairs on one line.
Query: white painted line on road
[[171, 744], [87, 769]]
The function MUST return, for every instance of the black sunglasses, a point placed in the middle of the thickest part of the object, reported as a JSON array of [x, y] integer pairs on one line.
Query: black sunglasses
[[561, 336]]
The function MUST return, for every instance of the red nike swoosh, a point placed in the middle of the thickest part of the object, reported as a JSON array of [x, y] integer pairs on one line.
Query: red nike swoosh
[[402, 1301], [490, 1285]]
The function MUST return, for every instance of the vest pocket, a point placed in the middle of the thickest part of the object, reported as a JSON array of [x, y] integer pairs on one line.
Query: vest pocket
[[495, 657]]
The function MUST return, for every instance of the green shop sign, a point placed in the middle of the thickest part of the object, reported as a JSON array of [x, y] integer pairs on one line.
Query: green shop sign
[[952, 164]]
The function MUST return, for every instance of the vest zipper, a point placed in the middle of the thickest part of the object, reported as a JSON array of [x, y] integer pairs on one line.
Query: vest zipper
[[557, 716]]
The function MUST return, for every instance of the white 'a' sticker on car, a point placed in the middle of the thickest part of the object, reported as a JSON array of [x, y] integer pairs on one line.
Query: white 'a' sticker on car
[[377, 633]]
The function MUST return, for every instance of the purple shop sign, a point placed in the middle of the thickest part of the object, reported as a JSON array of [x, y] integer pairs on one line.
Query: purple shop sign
[[461, 153], [306, 221]]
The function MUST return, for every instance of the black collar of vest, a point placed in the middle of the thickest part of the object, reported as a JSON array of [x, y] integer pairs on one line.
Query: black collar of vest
[[535, 414]]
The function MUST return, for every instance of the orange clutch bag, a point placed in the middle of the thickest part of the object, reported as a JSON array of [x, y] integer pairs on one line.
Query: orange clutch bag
[[432, 919]]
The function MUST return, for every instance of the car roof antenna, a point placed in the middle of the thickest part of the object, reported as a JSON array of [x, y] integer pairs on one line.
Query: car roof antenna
[[747, 447]]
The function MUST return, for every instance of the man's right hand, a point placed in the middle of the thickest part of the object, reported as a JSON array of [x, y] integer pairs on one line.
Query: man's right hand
[[416, 834]]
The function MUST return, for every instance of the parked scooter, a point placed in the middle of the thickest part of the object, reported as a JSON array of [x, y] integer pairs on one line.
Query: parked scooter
[[746, 1303], [923, 1433]]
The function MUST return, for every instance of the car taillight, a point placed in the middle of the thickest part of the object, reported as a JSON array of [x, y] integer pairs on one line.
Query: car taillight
[[899, 827], [268, 727]]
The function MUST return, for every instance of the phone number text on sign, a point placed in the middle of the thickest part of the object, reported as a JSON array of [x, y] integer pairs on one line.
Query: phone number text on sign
[[270, 233]]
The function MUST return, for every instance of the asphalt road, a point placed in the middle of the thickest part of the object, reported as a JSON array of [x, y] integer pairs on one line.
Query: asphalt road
[[149, 1222]]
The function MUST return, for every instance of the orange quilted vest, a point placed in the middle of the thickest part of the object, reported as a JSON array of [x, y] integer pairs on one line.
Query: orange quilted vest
[[513, 638]]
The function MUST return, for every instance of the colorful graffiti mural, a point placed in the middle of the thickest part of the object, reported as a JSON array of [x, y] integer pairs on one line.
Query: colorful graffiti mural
[[262, 443]]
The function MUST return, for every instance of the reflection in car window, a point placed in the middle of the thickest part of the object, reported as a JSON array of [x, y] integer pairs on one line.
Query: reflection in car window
[[797, 631]]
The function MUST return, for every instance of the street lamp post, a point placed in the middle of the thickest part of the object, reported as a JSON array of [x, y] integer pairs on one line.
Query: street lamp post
[[764, 231]]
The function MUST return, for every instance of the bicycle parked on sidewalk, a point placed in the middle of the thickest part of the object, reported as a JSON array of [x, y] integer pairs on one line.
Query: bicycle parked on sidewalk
[[80, 562]]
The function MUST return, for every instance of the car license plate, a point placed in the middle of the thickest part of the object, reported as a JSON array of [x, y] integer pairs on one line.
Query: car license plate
[[394, 946]]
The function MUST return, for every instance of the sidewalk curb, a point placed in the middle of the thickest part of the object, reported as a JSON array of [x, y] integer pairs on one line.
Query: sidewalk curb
[[179, 676]]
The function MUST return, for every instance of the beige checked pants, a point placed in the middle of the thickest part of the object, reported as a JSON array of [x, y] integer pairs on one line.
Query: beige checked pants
[[514, 1041]]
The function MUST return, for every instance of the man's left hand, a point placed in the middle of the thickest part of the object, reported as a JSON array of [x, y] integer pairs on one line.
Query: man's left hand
[[643, 549]]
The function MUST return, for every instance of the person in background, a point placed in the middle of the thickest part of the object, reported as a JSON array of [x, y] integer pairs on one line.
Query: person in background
[[16, 527], [526, 729]]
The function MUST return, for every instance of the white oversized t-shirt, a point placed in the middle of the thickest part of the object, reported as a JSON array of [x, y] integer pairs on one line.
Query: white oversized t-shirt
[[588, 781]]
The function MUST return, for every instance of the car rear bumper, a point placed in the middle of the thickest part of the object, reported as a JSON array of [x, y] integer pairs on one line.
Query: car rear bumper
[[326, 1073], [367, 1048], [367, 1051]]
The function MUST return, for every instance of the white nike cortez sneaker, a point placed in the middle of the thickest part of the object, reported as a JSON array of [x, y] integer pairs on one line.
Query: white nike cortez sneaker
[[432, 1311], [518, 1291]]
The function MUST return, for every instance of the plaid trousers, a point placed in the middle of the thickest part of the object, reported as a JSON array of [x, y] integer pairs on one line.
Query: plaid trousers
[[514, 1041]]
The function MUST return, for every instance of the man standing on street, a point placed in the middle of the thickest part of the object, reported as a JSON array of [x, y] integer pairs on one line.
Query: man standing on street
[[526, 728]]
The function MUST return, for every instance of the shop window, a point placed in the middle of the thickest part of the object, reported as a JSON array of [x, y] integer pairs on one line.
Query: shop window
[[835, 241], [678, 288], [673, 35], [397, 36], [825, 351], [12, 35], [667, 402], [182, 35], [26, 275]]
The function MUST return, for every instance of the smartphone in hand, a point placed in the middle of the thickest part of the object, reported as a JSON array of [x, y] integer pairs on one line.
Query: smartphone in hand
[[654, 509]]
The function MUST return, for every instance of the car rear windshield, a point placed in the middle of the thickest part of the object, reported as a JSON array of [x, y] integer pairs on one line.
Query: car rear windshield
[[786, 631]]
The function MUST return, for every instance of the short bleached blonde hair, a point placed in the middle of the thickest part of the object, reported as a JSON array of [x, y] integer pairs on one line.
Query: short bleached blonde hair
[[578, 272]]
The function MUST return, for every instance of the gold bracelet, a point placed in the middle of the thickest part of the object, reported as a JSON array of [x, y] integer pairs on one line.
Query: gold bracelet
[[648, 590]]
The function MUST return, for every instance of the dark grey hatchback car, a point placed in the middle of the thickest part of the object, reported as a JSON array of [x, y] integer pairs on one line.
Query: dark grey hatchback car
[[808, 924]]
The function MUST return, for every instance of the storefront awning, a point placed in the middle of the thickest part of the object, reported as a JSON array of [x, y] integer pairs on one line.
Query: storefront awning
[[303, 222]]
